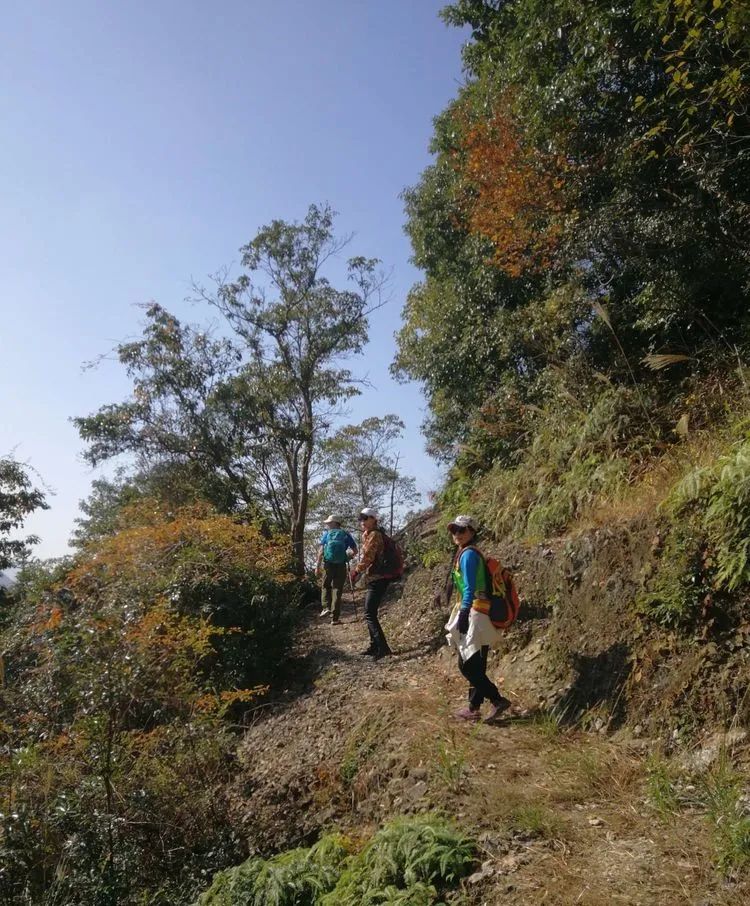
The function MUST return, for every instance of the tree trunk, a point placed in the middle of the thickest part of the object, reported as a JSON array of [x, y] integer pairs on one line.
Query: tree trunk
[[393, 487]]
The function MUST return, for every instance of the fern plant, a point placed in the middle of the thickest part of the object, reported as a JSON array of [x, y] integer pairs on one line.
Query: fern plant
[[416, 856], [407, 863], [299, 877], [720, 498]]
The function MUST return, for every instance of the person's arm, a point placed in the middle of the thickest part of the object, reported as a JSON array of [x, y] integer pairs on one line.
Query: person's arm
[[351, 545], [372, 546], [319, 564], [469, 564]]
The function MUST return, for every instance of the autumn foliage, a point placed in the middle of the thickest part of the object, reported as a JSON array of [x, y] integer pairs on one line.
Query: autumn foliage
[[119, 681], [516, 198]]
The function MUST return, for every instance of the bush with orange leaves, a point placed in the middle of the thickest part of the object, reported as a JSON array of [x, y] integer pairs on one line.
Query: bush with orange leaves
[[115, 748], [516, 193]]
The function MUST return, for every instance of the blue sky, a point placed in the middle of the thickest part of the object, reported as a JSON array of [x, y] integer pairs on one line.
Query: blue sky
[[145, 142]]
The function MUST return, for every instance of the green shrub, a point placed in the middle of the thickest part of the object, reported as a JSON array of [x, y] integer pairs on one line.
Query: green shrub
[[674, 595], [119, 675], [409, 862], [719, 497], [296, 878], [411, 858]]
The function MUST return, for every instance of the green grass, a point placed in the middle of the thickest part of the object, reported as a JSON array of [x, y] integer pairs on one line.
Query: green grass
[[536, 820], [661, 788], [450, 765], [722, 789]]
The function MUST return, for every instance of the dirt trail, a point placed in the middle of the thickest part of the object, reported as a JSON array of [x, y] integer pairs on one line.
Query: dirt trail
[[561, 817]]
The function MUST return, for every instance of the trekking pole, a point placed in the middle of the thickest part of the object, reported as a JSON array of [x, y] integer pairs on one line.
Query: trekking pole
[[351, 589]]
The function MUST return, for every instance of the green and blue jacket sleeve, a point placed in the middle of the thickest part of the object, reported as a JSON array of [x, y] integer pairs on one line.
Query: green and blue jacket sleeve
[[469, 565]]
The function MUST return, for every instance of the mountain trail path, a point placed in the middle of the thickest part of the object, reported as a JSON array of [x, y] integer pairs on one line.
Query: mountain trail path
[[561, 816]]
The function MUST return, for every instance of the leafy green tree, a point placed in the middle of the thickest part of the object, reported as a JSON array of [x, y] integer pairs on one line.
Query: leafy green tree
[[191, 410], [362, 469], [638, 112], [18, 499], [297, 327], [240, 418]]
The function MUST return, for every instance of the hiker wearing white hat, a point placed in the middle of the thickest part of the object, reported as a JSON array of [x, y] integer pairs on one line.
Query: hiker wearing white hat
[[336, 548], [371, 566]]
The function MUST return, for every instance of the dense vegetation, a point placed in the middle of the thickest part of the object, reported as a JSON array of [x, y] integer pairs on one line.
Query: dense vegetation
[[122, 672], [408, 862], [584, 235]]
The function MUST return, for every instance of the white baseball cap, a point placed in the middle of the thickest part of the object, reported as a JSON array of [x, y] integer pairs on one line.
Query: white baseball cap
[[333, 518], [369, 511], [463, 522]]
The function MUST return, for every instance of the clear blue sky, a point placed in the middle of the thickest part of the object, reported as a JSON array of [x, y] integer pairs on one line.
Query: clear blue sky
[[145, 142]]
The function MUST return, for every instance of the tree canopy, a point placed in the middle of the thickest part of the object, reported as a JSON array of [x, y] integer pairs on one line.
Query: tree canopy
[[586, 211], [245, 414], [18, 499]]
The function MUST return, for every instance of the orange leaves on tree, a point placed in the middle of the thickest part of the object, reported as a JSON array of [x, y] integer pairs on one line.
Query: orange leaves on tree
[[517, 193], [206, 544]]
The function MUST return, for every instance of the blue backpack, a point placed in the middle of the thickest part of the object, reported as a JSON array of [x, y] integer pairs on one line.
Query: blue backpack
[[334, 549]]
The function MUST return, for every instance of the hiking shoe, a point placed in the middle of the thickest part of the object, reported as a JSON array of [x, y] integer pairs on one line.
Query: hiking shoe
[[325, 611], [335, 621], [382, 653], [497, 709], [369, 652], [467, 713]]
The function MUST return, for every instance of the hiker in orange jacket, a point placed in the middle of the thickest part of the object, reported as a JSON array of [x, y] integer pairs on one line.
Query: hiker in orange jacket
[[373, 547]]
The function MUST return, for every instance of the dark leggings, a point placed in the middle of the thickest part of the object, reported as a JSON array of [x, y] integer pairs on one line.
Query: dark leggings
[[375, 592], [480, 685]]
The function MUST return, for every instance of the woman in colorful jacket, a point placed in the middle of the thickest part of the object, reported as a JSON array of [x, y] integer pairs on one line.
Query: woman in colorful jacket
[[469, 629]]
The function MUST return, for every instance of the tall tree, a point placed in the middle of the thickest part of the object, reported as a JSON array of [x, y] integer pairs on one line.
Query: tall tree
[[596, 161], [18, 499], [362, 470], [297, 327], [248, 413]]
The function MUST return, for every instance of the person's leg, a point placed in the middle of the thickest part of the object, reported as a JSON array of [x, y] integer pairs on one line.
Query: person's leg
[[471, 712], [475, 670], [338, 579], [375, 592], [327, 582]]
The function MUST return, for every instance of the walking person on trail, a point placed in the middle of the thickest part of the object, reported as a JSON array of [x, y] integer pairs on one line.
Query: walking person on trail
[[470, 630], [371, 567], [334, 552]]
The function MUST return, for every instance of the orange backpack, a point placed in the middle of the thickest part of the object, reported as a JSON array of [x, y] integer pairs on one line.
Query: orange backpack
[[501, 591]]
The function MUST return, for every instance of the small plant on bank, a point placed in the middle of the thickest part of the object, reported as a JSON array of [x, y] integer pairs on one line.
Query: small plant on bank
[[549, 722], [723, 791], [661, 788], [362, 742], [535, 820], [450, 765], [720, 496]]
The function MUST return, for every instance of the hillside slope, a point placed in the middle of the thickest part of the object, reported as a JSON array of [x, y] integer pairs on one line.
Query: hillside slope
[[560, 815]]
